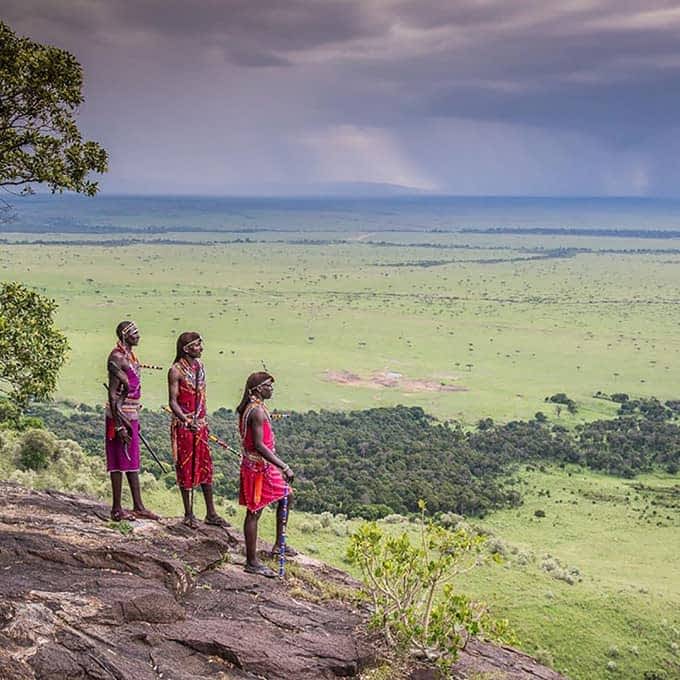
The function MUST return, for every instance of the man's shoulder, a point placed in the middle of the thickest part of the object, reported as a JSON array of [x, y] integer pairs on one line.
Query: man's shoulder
[[257, 411], [117, 357]]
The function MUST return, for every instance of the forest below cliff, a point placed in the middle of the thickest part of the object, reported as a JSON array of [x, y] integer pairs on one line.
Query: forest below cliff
[[374, 462]]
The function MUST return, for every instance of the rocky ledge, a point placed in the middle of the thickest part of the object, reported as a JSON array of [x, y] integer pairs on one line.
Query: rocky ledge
[[79, 599]]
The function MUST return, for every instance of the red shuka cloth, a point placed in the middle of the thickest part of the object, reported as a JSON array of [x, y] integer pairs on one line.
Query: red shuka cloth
[[190, 450], [261, 482]]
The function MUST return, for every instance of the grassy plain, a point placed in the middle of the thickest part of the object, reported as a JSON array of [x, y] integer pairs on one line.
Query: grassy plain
[[501, 331]]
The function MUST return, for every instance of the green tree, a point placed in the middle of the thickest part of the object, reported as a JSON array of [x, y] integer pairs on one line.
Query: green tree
[[32, 348], [40, 92]]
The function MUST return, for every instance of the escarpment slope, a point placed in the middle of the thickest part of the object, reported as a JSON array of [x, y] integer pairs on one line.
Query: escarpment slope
[[79, 599]]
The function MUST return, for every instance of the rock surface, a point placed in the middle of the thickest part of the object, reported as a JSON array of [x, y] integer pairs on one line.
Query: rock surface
[[78, 599]]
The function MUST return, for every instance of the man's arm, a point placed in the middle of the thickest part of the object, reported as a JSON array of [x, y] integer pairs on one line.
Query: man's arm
[[118, 390], [257, 418], [173, 393]]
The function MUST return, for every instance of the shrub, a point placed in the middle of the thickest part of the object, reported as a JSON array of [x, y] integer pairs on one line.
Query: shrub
[[36, 449], [544, 657], [450, 520], [539, 513], [402, 580], [524, 558], [394, 518], [310, 526], [497, 546]]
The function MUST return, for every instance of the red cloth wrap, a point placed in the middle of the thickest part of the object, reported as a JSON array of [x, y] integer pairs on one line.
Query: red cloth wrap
[[191, 472], [183, 444], [261, 482]]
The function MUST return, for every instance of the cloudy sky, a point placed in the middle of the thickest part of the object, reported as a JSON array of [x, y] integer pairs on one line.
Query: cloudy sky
[[528, 97]]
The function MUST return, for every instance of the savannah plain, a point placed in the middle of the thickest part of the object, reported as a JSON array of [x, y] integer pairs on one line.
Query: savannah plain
[[466, 325]]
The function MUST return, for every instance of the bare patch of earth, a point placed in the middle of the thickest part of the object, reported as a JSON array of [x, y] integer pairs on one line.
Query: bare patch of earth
[[392, 379]]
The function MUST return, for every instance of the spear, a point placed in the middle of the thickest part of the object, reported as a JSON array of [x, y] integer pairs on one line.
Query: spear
[[150, 450], [195, 433]]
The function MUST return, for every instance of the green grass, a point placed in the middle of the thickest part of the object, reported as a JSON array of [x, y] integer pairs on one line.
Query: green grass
[[506, 334], [629, 598]]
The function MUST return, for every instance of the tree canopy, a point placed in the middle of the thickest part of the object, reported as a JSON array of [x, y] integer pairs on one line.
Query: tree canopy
[[32, 348], [40, 143], [380, 461]]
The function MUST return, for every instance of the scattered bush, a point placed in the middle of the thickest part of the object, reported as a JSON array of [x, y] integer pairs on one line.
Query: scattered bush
[[497, 546], [525, 557], [36, 449], [394, 518], [562, 398], [545, 657], [310, 526]]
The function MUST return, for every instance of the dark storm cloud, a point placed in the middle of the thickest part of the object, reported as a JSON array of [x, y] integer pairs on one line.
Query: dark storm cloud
[[285, 75], [510, 60], [251, 32]]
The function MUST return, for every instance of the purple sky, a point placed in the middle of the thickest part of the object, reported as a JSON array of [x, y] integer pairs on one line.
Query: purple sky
[[576, 97]]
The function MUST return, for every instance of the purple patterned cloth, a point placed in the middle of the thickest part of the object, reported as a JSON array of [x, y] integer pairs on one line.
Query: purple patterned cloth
[[121, 457]]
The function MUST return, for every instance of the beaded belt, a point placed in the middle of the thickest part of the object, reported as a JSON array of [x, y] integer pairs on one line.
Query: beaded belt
[[129, 408], [253, 456], [201, 422]]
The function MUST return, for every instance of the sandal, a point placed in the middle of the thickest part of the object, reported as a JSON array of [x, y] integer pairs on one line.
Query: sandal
[[122, 515], [260, 570], [145, 514], [190, 521], [276, 552], [216, 521]]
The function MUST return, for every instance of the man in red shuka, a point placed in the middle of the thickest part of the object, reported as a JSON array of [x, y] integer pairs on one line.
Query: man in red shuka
[[189, 428]]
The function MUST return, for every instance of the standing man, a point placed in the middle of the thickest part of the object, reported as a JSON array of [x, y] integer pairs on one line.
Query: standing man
[[122, 422], [264, 476], [189, 428]]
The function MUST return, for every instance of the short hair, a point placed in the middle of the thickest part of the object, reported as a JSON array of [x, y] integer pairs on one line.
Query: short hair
[[120, 327]]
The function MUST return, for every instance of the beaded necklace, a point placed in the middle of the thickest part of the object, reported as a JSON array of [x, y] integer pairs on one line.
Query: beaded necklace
[[253, 404], [191, 370], [130, 356]]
